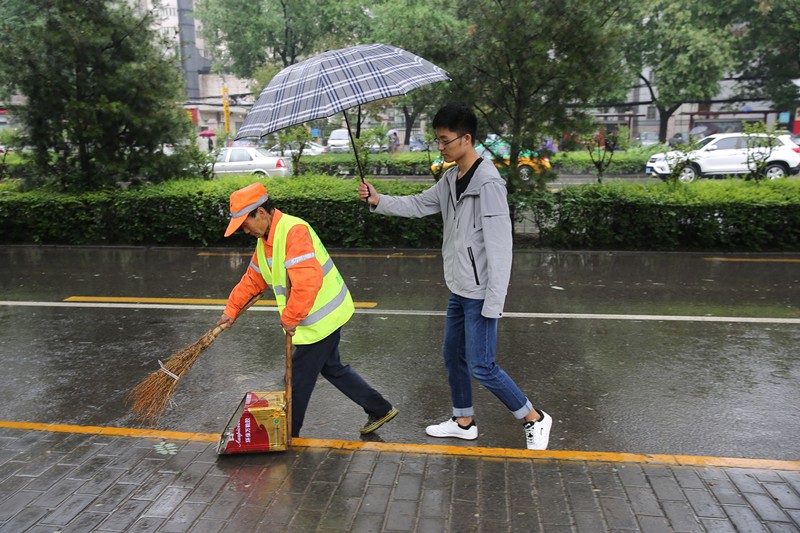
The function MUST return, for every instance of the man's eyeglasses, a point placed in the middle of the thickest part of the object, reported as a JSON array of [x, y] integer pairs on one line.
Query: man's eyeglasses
[[442, 144]]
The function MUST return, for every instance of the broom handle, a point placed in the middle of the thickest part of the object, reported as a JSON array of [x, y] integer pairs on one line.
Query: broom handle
[[288, 373], [219, 329]]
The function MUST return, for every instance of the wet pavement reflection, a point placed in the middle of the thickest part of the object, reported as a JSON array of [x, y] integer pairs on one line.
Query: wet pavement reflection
[[624, 384]]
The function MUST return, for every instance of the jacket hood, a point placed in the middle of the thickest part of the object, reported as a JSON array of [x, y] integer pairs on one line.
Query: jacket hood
[[483, 175]]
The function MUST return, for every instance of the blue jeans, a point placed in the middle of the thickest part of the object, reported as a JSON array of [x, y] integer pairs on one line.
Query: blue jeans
[[470, 343]]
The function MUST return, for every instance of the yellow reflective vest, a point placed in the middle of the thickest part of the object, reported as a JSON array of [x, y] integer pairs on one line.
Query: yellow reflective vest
[[333, 306]]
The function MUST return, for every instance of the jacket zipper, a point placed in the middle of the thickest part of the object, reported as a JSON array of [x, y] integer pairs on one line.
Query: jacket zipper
[[474, 268]]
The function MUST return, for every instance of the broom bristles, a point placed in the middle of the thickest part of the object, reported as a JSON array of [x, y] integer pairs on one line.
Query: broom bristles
[[150, 398]]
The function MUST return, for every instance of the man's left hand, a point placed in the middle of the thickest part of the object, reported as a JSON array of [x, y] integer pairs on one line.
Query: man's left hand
[[288, 329]]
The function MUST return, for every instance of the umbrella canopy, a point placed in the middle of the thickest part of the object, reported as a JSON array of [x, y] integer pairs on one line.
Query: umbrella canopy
[[207, 133], [334, 81]]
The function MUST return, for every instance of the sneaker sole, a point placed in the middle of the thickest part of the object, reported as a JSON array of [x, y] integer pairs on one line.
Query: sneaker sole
[[450, 436], [378, 423]]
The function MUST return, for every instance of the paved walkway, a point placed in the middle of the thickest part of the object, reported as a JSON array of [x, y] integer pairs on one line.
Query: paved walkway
[[80, 479]]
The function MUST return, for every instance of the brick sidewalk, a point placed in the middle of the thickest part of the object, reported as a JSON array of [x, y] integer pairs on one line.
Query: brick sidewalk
[[79, 482]]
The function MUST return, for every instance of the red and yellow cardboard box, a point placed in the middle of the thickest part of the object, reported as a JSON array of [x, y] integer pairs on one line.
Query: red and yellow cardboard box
[[258, 425]]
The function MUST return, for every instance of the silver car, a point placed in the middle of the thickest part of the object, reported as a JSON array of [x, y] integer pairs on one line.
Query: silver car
[[310, 148], [246, 159]]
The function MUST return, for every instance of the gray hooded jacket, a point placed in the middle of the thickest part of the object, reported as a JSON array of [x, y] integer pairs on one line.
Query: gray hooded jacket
[[477, 243]]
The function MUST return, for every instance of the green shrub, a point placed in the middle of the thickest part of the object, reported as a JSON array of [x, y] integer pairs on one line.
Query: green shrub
[[632, 161], [629, 162], [707, 215], [195, 212], [400, 164]]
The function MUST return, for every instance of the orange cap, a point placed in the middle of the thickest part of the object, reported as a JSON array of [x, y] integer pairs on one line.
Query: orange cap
[[243, 202]]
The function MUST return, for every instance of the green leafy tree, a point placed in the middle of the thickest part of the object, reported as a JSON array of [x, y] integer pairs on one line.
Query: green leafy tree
[[601, 147], [768, 52], [10, 141], [681, 161], [529, 67], [431, 31], [680, 50], [243, 35], [761, 142], [295, 138], [101, 94]]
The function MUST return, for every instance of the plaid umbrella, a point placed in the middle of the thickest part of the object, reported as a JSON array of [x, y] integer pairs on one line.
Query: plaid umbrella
[[334, 81]]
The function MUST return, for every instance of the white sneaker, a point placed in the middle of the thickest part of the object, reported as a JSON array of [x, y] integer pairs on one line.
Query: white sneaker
[[450, 428], [537, 433]]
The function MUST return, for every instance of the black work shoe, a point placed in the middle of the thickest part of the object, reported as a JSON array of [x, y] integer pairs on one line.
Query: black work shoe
[[373, 422]]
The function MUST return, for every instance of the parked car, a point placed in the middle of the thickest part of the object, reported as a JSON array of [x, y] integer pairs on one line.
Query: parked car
[[529, 162], [246, 159], [418, 143], [727, 153], [647, 138], [338, 142], [680, 138], [310, 148], [248, 141]]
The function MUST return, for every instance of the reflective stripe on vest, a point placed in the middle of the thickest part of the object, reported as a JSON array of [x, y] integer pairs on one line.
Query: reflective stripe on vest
[[333, 306]]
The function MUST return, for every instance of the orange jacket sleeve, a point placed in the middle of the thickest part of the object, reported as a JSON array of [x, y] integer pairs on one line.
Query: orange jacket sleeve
[[252, 283], [305, 276]]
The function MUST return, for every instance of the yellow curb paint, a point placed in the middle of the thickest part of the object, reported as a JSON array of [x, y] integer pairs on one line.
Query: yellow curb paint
[[560, 455], [186, 301], [398, 447], [110, 431], [752, 259]]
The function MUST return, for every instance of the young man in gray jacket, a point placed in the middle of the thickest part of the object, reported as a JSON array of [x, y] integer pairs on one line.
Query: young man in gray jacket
[[476, 248]]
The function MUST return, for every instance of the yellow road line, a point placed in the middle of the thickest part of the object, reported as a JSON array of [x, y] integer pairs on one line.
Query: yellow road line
[[187, 301], [373, 255], [472, 451], [752, 259]]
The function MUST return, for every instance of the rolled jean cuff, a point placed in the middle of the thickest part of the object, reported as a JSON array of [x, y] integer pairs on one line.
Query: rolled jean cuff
[[466, 411], [523, 411]]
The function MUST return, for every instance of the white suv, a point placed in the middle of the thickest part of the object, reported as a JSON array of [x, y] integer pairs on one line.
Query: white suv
[[338, 142], [727, 153]]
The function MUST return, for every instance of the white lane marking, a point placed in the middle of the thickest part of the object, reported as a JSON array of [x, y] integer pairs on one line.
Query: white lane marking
[[411, 312]]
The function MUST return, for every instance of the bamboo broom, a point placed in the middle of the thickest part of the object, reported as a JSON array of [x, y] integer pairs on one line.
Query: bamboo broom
[[149, 399]]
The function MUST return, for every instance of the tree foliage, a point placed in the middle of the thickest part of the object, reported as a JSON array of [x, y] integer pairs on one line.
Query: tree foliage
[[244, 35], [101, 94], [680, 50], [431, 31], [768, 53], [529, 67]]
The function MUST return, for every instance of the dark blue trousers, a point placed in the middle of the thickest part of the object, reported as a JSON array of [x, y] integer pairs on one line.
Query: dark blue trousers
[[311, 360]]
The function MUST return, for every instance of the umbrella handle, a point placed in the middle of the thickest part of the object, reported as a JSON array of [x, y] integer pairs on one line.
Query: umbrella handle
[[355, 150]]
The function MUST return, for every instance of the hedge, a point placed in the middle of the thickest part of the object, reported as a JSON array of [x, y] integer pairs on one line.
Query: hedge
[[418, 163], [706, 215], [630, 162], [733, 215], [195, 212]]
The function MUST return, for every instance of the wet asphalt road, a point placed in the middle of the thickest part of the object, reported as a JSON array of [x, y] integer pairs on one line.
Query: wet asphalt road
[[629, 352]]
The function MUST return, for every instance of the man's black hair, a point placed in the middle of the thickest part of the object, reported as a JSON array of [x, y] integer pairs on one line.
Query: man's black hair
[[457, 117], [268, 207]]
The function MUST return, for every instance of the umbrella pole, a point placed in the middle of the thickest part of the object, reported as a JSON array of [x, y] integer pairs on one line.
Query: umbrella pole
[[355, 150]]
